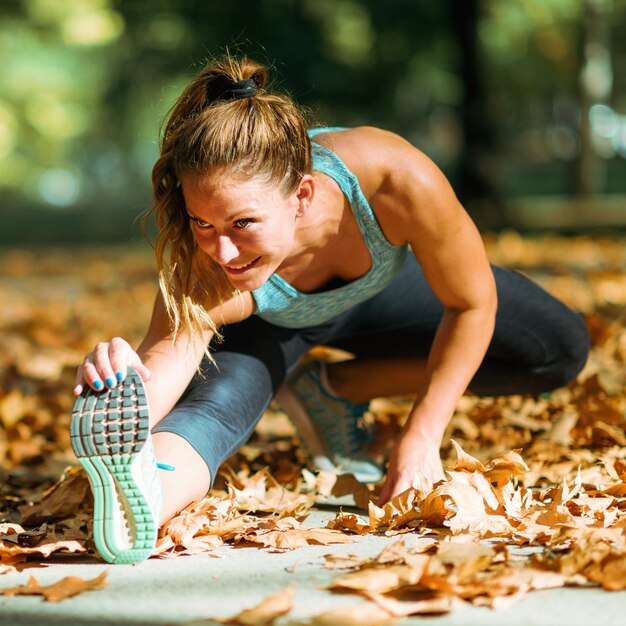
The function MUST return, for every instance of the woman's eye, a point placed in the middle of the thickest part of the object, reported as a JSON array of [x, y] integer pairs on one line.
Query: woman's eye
[[200, 223], [243, 223]]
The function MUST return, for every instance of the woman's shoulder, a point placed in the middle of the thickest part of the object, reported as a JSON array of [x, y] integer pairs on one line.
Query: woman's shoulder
[[380, 158], [401, 183], [365, 142]]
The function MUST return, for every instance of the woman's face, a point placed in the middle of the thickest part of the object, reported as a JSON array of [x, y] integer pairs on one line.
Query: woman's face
[[246, 226]]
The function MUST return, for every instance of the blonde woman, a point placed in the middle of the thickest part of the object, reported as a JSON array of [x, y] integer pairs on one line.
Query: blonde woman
[[273, 239]]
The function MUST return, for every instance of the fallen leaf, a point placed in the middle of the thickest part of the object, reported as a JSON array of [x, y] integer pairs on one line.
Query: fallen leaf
[[61, 590], [365, 614], [288, 534], [413, 602], [266, 612]]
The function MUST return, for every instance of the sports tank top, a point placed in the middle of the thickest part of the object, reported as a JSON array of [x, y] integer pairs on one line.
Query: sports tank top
[[281, 304]]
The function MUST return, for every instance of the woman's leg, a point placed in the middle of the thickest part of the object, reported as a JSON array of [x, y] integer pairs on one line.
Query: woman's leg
[[188, 482], [538, 344], [361, 379], [219, 410]]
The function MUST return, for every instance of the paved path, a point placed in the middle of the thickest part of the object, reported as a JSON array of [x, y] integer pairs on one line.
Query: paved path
[[178, 590]]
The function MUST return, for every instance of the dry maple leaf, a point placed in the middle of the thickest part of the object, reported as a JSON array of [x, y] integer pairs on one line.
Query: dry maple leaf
[[288, 534], [339, 485], [61, 501], [344, 560], [351, 522], [202, 526], [397, 512], [380, 579], [609, 572], [465, 462], [405, 602], [263, 614], [61, 590], [464, 559], [462, 508], [10, 550], [261, 493], [365, 614], [502, 468]]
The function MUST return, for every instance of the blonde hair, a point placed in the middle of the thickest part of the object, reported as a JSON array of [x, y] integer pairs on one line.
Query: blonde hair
[[208, 130]]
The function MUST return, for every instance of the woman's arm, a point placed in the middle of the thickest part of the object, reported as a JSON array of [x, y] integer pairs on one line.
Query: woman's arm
[[416, 205], [165, 365]]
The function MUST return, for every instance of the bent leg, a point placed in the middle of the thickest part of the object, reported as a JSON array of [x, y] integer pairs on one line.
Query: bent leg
[[361, 379], [538, 343]]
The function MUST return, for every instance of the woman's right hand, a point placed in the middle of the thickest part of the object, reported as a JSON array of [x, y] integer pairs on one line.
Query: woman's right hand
[[106, 365]]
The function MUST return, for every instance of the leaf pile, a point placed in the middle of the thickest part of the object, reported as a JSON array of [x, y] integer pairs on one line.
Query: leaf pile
[[535, 490]]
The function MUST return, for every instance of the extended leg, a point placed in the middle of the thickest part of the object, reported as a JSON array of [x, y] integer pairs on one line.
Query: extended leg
[[190, 479]]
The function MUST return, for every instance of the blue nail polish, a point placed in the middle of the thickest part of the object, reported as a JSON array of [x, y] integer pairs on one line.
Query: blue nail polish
[[119, 376], [166, 467], [109, 381], [98, 384]]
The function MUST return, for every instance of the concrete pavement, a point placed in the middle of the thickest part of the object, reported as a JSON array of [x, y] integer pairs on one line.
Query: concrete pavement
[[175, 591]]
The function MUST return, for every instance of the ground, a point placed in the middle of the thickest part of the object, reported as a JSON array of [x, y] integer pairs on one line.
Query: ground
[[502, 525]]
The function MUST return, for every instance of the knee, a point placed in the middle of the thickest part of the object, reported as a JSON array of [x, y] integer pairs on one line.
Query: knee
[[569, 358]]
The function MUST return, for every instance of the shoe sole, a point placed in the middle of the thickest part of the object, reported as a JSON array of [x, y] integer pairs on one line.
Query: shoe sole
[[108, 430]]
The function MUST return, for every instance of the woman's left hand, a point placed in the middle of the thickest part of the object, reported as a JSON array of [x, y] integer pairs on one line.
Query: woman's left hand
[[413, 461]]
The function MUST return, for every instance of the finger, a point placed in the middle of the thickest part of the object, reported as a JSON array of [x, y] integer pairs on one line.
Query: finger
[[78, 382], [120, 355], [102, 363], [135, 362], [91, 375]]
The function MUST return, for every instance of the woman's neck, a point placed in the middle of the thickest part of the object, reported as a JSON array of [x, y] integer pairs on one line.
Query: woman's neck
[[317, 227]]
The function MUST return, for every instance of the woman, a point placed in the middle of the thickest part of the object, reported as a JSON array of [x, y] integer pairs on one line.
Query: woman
[[279, 239]]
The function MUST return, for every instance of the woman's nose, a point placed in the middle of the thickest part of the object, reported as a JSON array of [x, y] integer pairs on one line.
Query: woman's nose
[[225, 250]]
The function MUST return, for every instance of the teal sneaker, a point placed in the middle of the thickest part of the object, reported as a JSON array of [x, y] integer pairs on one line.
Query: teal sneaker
[[330, 427], [110, 436]]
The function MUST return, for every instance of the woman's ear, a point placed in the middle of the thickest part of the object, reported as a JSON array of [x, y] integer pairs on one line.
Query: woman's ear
[[305, 194]]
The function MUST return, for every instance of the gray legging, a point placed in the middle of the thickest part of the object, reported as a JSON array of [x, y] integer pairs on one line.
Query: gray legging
[[538, 344]]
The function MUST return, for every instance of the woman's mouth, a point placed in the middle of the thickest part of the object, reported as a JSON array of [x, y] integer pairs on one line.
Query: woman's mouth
[[240, 269]]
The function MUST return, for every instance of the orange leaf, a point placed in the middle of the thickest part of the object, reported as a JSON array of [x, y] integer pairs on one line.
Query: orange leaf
[[266, 612], [61, 590]]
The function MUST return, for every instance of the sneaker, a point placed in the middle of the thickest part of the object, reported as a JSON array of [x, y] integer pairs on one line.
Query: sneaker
[[110, 436], [330, 427]]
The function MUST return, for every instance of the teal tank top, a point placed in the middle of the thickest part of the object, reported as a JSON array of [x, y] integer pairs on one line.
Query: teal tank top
[[281, 304]]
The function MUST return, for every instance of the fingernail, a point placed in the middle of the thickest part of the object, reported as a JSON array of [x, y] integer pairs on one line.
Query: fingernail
[[119, 376], [76, 391], [98, 384], [109, 381]]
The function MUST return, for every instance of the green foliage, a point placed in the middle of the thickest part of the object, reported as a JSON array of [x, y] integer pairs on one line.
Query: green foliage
[[85, 84]]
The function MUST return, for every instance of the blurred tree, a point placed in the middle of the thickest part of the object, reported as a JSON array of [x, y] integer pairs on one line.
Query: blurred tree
[[596, 82], [488, 89], [476, 178]]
